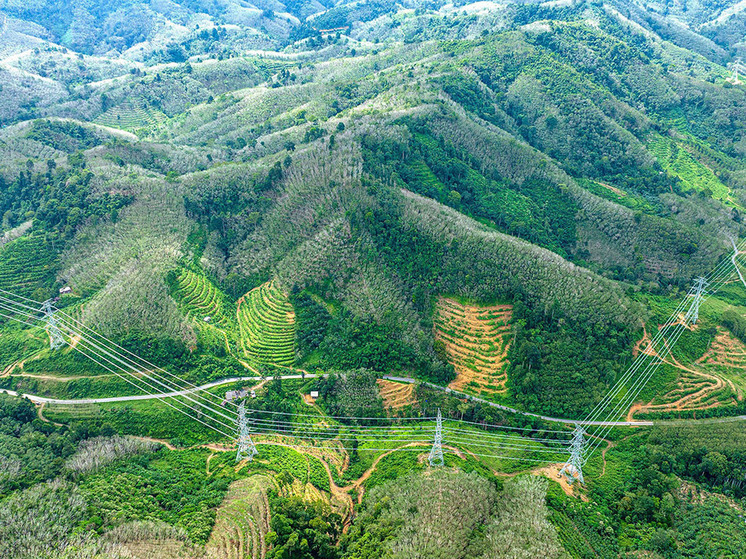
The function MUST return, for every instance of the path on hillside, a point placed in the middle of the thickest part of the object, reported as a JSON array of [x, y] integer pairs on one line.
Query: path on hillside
[[44, 400], [513, 410], [82, 401]]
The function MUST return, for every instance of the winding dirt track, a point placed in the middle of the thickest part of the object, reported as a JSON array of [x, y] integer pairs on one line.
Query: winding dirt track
[[697, 388]]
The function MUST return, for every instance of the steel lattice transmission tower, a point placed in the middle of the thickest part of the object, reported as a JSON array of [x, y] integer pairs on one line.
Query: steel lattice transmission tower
[[246, 448], [736, 67], [56, 340], [573, 468], [693, 313], [436, 453]]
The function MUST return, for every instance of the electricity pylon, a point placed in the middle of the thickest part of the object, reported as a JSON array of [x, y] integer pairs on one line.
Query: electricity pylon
[[436, 453], [573, 468], [693, 313], [735, 68], [56, 340], [246, 448]]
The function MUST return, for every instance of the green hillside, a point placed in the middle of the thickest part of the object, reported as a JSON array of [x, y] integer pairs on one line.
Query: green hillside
[[267, 324], [495, 207]]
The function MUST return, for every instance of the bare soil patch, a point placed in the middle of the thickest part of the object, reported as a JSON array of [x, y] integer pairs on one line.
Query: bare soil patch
[[476, 341], [396, 395]]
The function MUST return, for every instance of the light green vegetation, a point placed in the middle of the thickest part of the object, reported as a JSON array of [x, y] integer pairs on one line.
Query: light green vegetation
[[28, 265], [267, 325], [17, 344], [609, 192], [131, 116], [675, 158], [149, 418]]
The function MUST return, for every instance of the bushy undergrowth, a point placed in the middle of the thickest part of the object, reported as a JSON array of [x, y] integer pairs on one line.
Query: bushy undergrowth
[[447, 513], [93, 454]]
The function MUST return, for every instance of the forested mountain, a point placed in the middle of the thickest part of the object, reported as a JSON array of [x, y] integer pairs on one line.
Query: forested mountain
[[503, 198]]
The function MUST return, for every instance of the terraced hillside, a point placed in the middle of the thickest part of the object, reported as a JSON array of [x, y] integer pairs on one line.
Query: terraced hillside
[[27, 267], [396, 395], [200, 299], [476, 341], [693, 390], [716, 379], [729, 354], [242, 521], [267, 325], [130, 116]]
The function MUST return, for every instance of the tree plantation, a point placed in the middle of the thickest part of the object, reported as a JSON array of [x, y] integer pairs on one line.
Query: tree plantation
[[351, 280]]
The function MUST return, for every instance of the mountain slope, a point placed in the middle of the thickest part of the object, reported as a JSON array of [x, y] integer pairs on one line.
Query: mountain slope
[[560, 164]]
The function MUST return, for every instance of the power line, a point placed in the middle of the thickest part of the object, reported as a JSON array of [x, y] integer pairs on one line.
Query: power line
[[721, 272], [718, 278], [153, 380], [102, 354], [436, 453]]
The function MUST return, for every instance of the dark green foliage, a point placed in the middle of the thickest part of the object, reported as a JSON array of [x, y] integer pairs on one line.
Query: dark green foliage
[[30, 451], [64, 136], [639, 503], [353, 343], [28, 266], [301, 530], [466, 91], [534, 210], [200, 365], [197, 241], [556, 362], [59, 200], [274, 407], [311, 322], [734, 322], [712, 455], [586, 531], [233, 207], [711, 530], [547, 371], [351, 394], [169, 486]]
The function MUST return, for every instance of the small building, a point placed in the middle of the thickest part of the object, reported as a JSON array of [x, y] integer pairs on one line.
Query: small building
[[65, 290], [207, 319], [239, 394], [253, 393], [315, 394]]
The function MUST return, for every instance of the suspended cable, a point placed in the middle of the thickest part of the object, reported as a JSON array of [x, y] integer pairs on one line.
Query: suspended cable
[[160, 379], [593, 416], [165, 401], [103, 354]]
